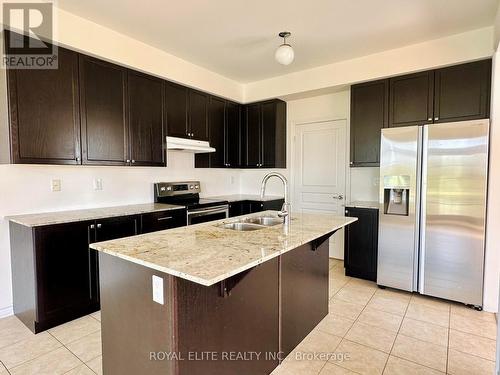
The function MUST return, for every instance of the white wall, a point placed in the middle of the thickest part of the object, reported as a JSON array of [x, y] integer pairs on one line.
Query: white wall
[[472, 45], [26, 189]]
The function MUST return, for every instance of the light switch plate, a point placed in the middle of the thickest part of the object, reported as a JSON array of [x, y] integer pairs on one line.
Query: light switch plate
[[55, 185], [158, 289]]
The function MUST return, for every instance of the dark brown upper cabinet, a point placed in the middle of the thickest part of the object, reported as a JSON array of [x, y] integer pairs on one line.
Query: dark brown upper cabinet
[[462, 92], [145, 115], [44, 113], [233, 135], [411, 99], [369, 114], [198, 115], [273, 134], [217, 132], [176, 107], [265, 134], [103, 115], [253, 135]]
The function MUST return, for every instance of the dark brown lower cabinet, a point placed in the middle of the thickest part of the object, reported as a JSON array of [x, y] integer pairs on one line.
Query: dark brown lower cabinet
[[163, 220], [248, 207], [304, 292], [361, 243], [54, 273]]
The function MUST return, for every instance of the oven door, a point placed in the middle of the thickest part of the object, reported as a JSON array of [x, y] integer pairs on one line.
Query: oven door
[[202, 215]]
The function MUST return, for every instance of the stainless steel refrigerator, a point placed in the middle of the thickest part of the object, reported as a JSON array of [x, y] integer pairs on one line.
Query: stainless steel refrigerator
[[433, 182]]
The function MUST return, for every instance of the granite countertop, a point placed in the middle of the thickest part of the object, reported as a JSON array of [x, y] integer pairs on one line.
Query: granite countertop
[[206, 253], [59, 217], [364, 204], [245, 197]]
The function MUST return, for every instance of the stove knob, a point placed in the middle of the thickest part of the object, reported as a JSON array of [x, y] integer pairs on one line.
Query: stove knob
[[196, 187], [169, 188], [191, 187], [162, 188]]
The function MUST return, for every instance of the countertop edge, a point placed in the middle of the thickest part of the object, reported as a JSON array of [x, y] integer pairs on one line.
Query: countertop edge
[[215, 280], [14, 218]]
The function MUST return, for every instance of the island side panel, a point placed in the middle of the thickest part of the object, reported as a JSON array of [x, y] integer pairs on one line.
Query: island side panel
[[304, 292], [133, 325], [245, 321]]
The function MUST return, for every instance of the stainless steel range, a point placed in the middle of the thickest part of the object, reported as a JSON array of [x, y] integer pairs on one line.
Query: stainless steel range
[[199, 210]]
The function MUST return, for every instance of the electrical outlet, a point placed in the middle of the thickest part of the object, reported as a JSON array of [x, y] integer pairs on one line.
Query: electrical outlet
[[97, 183], [158, 289], [56, 185]]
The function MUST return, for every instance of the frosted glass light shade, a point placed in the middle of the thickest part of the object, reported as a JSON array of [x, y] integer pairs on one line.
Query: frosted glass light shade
[[284, 54]]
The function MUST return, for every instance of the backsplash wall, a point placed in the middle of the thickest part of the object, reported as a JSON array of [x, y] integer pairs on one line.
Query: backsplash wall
[[27, 189], [364, 183]]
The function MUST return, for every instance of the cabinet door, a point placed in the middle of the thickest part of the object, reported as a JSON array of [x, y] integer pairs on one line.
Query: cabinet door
[[145, 108], [65, 271], [273, 134], [369, 114], [44, 113], [198, 115], [103, 115], [361, 243], [253, 135], [116, 227], [217, 136], [233, 135], [411, 99], [163, 220], [176, 106], [462, 92], [304, 292]]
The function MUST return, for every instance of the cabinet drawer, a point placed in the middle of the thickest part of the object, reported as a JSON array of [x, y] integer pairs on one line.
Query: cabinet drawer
[[163, 220]]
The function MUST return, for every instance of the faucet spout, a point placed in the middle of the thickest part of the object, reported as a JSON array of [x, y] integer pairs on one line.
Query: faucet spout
[[285, 209]]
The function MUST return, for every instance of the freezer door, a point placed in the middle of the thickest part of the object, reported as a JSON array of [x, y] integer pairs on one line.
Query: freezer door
[[455, 160], [398, 212]]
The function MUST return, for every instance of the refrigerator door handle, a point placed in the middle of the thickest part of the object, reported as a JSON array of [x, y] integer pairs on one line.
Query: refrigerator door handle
[[418, 197], [423, 207]]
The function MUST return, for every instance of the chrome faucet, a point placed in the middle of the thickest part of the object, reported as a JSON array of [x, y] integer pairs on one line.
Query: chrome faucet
[[285, 209]]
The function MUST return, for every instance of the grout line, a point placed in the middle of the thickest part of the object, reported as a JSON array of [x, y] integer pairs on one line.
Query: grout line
[[74, 353]]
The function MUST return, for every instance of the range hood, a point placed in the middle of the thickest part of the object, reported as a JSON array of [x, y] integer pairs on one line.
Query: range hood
[[188, 145]]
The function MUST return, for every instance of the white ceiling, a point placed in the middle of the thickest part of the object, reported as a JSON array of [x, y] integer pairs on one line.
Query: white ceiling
[[237, 38]]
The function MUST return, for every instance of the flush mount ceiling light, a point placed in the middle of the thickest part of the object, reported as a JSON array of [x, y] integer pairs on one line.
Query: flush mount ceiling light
[[284, 54]]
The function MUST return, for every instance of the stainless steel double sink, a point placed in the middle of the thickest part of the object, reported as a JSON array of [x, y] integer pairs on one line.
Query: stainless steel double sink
[[252, 223]]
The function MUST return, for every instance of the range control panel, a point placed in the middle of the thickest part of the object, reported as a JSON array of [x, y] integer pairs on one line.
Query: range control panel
[[165, 189]]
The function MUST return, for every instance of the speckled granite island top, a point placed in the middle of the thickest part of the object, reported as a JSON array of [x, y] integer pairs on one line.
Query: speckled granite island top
[[206, 253], [60, 217]]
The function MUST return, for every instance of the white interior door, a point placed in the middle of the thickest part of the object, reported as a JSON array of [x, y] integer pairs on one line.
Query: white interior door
[[319, 172]]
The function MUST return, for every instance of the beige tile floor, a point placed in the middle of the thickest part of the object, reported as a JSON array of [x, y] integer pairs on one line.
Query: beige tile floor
[[368, 331]]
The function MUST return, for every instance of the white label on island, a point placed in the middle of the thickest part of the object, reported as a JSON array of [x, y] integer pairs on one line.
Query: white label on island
[[158, 289]]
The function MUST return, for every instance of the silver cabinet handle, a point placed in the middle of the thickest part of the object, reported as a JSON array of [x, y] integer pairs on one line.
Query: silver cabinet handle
[[92, 226], [99, 225], [338, 196], [429, 119], [128, 160], [164, 218], [436, 118], [133, 161], [77, 158]]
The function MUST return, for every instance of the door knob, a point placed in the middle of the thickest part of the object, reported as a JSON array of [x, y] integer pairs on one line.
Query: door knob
[[338, 196]]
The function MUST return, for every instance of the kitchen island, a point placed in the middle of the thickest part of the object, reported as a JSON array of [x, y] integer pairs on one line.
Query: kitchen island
[[205, 299]]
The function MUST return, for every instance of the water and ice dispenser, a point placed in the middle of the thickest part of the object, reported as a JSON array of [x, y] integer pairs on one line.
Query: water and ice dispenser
[[396, 195]]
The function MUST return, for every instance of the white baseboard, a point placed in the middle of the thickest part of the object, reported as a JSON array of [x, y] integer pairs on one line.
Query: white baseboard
[[6, 311]]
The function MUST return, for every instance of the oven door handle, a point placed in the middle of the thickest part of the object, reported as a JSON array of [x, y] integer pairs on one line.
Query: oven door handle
[[207, 211]]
